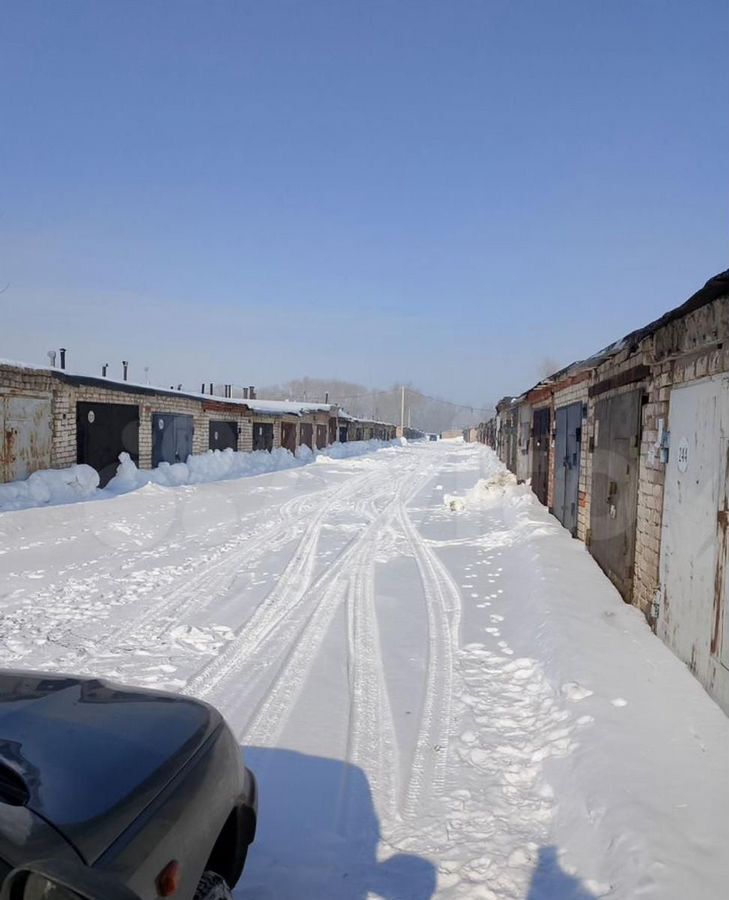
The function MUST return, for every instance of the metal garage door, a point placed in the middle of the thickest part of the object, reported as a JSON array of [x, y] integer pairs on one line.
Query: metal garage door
[[288, 436], [614, 500], [307, 434], [540, 453], [25, 436], [694, 619], [568, 434], [263, 436], [343, 433], [321, 436], [103, 431], [223, 436], [171, 438]]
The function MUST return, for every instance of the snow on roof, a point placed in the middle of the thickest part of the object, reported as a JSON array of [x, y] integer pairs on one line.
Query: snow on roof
[[286, 407], [267, 407], [262, 407]]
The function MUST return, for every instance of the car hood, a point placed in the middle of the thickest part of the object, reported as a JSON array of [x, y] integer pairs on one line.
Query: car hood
[[92, 755]]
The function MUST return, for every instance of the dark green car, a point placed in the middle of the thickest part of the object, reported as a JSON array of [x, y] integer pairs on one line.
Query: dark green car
[[118, 793]]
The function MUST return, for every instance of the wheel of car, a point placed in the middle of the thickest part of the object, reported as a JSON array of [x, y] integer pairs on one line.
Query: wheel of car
[[212, 887]]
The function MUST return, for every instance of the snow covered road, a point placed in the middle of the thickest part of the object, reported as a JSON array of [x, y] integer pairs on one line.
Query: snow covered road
[[440, 692]]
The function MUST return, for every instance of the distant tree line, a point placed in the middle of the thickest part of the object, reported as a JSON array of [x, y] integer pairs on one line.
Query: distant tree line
[[422, 412]]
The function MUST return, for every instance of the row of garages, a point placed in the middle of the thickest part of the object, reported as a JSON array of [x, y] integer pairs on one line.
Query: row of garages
[[50, 418], [630, 451]]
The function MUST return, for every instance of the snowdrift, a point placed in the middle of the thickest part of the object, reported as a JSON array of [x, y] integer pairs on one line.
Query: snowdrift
[[80, 482]]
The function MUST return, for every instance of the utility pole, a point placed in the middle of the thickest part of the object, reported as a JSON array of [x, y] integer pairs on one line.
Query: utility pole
[[402, 410]]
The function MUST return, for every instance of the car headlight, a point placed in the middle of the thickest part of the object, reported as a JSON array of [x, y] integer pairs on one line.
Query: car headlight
[[38, 887]]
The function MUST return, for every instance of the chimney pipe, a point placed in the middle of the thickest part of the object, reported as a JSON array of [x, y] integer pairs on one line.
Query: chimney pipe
[[104, 369], [179, 387], [202, 388], [52, 358], [62, 351], [211, 389], [245, 393], [252, 392], [125, 364], [326, 397]]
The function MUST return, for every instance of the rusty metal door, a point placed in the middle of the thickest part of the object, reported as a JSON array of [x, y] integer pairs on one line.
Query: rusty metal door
[[263, 436], [567, 438], [307, 434], [541, 422], [288, 436], [26, 434], [103, 431], [223, 435], [614, 500], [343, 433], [321, 437], [693, 617], [171, 438]]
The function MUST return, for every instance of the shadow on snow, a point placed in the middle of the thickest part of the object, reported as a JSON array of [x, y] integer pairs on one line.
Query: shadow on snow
[[318, 836], [551, 882]]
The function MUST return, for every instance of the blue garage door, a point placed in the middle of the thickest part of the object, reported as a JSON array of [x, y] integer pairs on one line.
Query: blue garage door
[[171, 438]]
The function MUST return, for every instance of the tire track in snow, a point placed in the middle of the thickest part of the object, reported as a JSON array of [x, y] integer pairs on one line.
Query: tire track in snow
[[270, 717], [443, 608], [198, 589], [293, 585], [371, 741]]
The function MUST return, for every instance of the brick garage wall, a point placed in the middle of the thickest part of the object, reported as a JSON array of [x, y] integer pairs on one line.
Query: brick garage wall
[[225, 412], [543, 400], [67, 395], [270, 420], [618, 365], [245, 437], [690, 348], [576, 392]]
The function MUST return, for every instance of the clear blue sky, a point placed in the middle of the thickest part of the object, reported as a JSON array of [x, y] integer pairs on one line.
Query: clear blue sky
[[384, 190]]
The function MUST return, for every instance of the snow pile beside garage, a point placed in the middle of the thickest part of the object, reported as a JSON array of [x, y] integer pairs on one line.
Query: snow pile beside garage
[[50, 486], [486, 490], [81, 482]]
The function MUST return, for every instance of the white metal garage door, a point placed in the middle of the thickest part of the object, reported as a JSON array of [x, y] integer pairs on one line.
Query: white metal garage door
[[693, 617]]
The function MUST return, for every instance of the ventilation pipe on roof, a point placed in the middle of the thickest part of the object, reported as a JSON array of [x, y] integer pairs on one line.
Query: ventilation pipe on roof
[[104, 369], [52, 358], [245, 393], [211, 388], [179, 387], [125, 365], [326, 397], [62, 351]]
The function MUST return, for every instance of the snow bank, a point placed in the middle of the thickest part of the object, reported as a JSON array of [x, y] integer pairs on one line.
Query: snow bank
[[486, 491], [50, 486], [81, 482]]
